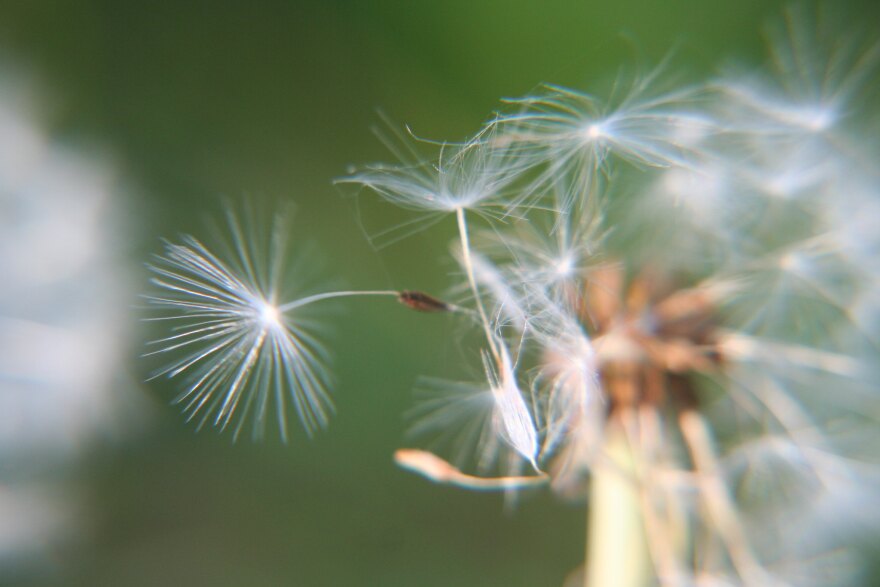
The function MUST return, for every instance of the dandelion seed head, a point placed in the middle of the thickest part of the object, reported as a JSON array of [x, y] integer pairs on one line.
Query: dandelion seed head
[[595, 131], [794, 262], [576, 133], [269, 315], [476, 175], [564, 266], [816, 118], [244, 357]]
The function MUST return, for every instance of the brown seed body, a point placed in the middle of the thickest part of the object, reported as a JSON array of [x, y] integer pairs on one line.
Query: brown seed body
[[422, 302]]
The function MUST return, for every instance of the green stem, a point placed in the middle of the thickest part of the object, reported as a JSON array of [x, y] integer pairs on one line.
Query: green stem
[[617, 546]]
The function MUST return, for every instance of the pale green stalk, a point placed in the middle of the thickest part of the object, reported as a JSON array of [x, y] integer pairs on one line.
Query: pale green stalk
[[617, 553]]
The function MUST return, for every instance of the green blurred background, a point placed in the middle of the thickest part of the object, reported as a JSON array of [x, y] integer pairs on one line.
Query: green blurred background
[[201, 100]]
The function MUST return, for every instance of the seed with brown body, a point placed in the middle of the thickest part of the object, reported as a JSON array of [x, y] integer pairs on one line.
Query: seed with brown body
[[422, 302]]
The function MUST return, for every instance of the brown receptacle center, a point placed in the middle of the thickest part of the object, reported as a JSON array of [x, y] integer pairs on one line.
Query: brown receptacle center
[[649, 338]]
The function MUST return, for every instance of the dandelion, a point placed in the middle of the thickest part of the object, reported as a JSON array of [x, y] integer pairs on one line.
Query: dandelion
[[677, 307]]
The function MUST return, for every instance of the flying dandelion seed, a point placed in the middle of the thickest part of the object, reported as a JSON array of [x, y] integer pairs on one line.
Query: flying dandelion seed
[[246, 347]]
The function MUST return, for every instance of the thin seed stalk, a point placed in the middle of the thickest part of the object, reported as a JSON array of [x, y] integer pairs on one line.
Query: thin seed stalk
[[334, 294], [472, 280]]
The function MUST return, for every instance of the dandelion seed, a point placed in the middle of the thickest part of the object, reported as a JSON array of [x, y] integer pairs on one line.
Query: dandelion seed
[[241, 352]]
